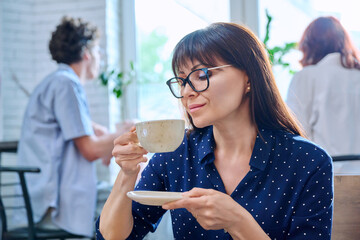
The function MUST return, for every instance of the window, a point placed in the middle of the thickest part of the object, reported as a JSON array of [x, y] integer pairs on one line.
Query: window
[[160, 25], [288, 26]]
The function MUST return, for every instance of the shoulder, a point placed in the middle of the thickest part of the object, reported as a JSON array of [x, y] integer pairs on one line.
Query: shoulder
[[302, 149], [306, 72], [327, 65], [297, 142], [332, 59], [58, 81], [64, 77], [303, 79]]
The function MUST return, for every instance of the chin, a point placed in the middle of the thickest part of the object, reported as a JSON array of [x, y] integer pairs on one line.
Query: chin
[[199, 123]]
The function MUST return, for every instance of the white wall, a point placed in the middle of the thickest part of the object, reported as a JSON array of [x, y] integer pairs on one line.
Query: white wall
[[17, 58], [1, 67], [27, 27], [25, 32], [245, 12]]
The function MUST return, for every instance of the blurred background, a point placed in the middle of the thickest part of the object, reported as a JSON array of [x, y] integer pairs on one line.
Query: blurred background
[[137, 38]]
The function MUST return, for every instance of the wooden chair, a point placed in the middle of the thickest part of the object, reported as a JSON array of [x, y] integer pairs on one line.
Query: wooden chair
[[31, 232], [346, 218]]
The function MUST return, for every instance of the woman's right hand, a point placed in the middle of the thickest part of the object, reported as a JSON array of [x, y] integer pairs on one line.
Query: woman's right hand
[[128, 153]]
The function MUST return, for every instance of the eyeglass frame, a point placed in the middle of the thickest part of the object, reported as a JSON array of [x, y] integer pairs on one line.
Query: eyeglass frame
[[187, 80]]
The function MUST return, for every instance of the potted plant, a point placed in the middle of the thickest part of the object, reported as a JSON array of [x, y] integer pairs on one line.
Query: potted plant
[[277, 53], [118, 82]]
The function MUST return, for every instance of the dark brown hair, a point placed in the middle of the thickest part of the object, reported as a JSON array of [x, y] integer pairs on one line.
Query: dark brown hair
[[326, 35], [70, 38], [238, 46]]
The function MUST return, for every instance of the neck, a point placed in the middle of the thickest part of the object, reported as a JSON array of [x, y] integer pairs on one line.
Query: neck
[[80, 70], [236, 137]]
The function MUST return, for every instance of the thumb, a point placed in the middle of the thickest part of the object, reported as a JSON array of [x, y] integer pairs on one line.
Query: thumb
[[198, 192]]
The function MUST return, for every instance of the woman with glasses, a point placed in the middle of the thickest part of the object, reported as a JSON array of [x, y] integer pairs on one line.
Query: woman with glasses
[[244, 167]]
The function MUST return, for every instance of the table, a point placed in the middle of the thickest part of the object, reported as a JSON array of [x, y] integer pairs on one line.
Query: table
[[346, 219]]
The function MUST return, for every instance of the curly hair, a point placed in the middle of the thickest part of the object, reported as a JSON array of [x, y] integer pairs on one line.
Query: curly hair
[[70, 38]]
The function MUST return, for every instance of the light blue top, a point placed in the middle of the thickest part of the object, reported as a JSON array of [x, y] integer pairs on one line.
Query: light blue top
[[57, 113]]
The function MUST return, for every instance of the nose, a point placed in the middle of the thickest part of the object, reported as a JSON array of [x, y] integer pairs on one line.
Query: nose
[[187, 91]]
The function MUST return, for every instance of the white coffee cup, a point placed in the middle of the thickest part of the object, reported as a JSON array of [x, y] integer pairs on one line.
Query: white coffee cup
[[160, 135]]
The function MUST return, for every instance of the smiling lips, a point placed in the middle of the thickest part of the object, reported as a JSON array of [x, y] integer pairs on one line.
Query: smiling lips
[[195, 107]]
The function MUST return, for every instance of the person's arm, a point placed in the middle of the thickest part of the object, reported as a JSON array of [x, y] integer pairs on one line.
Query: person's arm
[[215, 210], [99, 130], [93, 147], [101, 144], [72, 114], [247, 228], [116, 217]]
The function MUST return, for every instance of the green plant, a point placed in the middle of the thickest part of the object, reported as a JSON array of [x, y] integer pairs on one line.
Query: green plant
[[277, 53], [154, 65], [120, 79]]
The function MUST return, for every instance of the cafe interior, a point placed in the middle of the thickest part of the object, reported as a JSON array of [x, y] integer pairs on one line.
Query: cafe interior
[[136, 40]]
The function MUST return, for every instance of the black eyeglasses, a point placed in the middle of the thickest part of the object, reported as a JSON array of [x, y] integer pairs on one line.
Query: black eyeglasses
[[198, 80]]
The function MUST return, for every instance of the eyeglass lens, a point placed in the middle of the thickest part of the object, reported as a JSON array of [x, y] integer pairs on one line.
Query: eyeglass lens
[[198, 79]]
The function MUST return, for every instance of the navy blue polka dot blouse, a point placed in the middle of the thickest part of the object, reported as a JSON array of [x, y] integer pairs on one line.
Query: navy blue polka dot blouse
[[288, 190]]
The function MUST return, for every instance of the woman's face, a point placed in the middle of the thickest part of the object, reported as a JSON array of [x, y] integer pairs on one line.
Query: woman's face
[[225, 99]]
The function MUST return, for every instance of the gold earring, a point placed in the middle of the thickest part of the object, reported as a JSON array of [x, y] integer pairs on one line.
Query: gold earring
[[248, 88]]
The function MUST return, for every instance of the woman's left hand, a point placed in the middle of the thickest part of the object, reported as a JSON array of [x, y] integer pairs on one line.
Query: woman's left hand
[[213, 210]]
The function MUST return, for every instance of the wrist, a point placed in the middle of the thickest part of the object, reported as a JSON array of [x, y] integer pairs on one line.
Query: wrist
[[239, 222], [126, 181], [245, 227]]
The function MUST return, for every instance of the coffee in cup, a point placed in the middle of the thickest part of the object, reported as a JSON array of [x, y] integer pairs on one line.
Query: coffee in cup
[[160, 135]]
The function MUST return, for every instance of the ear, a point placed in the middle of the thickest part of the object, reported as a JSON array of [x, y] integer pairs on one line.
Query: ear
[[248, 87], [86, 55]]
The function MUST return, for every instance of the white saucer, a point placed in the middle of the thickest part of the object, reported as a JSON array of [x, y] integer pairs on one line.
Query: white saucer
[[154, 198]]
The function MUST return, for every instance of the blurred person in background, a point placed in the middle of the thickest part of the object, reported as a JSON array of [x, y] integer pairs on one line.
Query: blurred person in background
[[59, 137], [325, 94]]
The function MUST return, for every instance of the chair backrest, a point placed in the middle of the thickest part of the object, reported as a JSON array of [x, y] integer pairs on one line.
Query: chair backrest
[[29, 232], [352, 157], [20, 171], [346, 218]]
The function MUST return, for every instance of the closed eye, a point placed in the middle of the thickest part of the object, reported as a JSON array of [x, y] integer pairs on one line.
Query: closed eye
[[202, 76], [209, 72]]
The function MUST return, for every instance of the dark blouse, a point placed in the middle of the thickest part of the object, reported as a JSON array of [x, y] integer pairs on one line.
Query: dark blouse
[[288, 190]]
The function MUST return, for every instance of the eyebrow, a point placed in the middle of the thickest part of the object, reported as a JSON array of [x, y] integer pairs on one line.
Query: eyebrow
[[192, 69]]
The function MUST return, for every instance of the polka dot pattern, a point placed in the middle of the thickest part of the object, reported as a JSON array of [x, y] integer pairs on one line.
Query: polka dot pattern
[[288, 189]]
